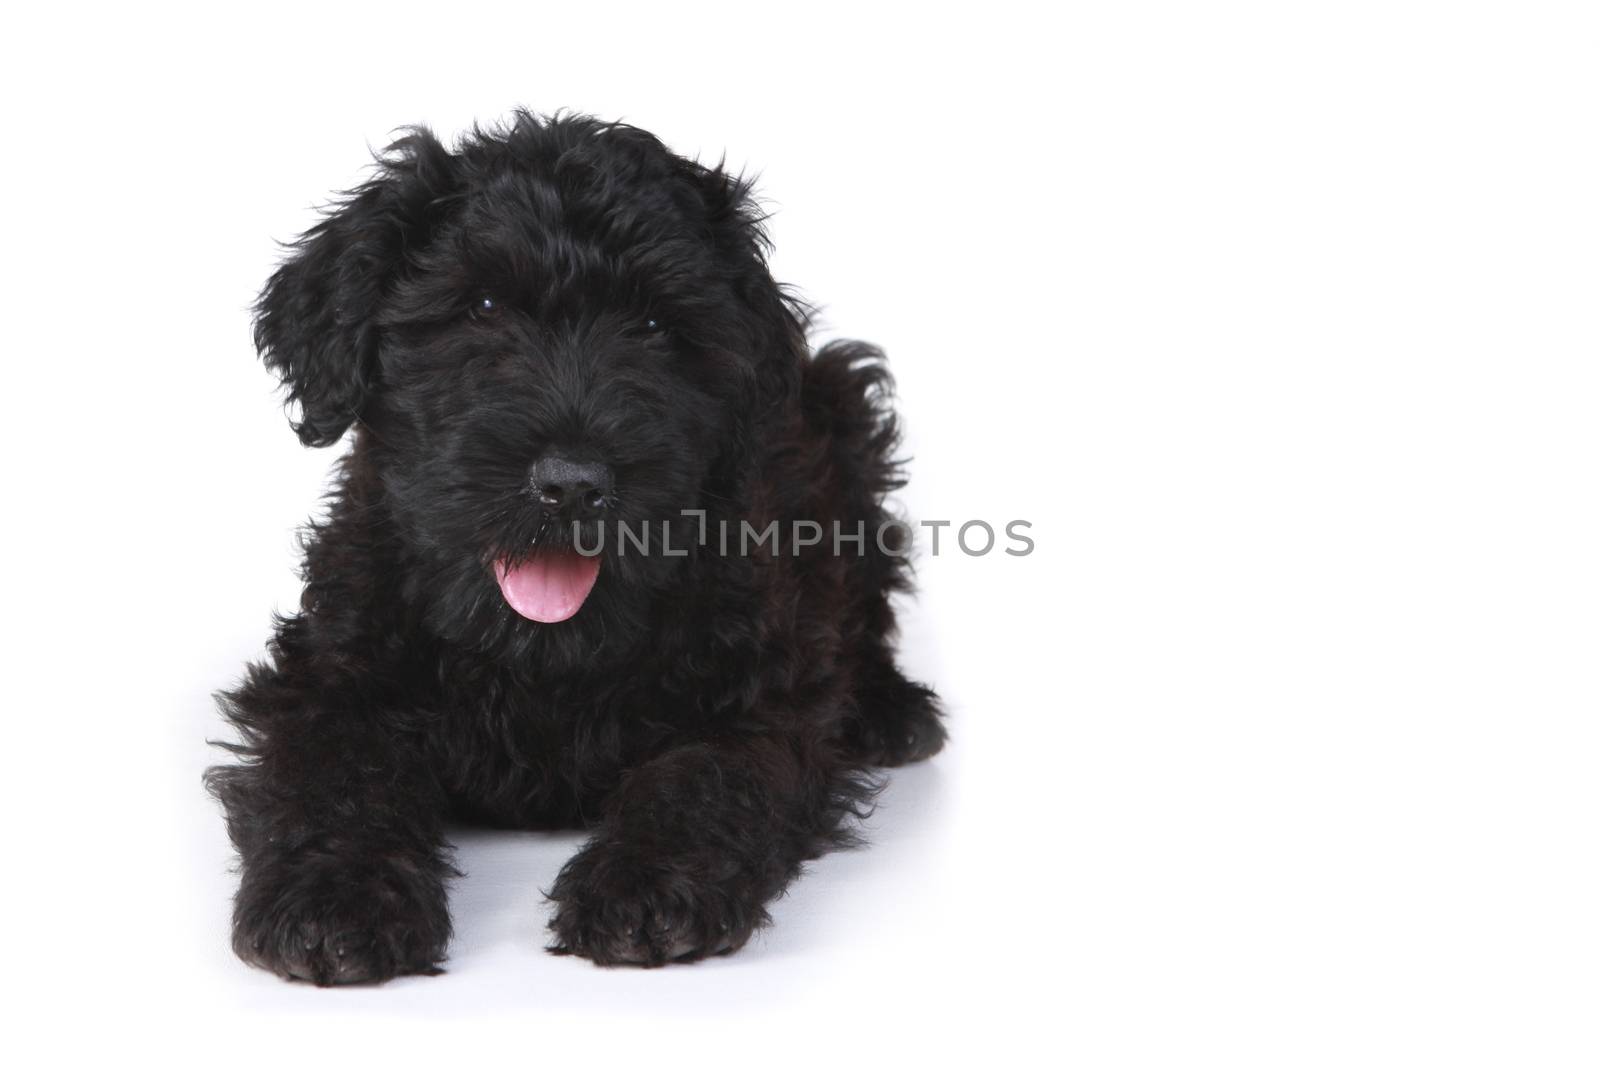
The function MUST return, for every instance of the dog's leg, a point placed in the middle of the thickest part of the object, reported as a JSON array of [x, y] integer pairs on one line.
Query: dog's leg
[[695, 844], [339, 832], [896, 721], [847, 399]]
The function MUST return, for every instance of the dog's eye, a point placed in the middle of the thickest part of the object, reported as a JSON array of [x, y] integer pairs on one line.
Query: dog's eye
[[652, 325], [485, 306]]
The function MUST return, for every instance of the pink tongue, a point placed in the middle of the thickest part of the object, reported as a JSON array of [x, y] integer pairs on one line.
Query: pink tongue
[[550, 587]]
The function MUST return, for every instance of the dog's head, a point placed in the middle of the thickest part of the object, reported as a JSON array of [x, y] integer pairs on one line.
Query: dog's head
[[555, 327]]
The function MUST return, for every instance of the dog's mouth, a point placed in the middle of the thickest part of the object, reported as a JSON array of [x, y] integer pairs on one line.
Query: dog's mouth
[[549, 586]]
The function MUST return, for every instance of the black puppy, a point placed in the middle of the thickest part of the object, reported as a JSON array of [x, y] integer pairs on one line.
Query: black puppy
[[561, 581]]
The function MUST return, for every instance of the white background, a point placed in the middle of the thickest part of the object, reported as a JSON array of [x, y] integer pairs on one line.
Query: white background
[[1279, 323]]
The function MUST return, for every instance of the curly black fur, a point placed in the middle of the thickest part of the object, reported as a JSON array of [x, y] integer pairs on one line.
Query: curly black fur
[[713, 718]]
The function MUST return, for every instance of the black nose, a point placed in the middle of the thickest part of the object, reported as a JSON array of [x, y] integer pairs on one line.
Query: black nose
[[568, 485]]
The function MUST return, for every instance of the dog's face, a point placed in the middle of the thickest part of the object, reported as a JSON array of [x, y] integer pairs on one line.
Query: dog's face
[[548, 334]]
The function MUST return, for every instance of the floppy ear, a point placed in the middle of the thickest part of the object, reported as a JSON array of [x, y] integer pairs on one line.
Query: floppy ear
[[776, 318], [314, 321]]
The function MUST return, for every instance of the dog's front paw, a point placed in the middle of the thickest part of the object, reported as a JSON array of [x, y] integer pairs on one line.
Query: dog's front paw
[[335, 926], [648, 907]]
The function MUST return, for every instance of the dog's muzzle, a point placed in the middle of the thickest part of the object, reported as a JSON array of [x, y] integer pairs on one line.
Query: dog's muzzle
[[570, 488]]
